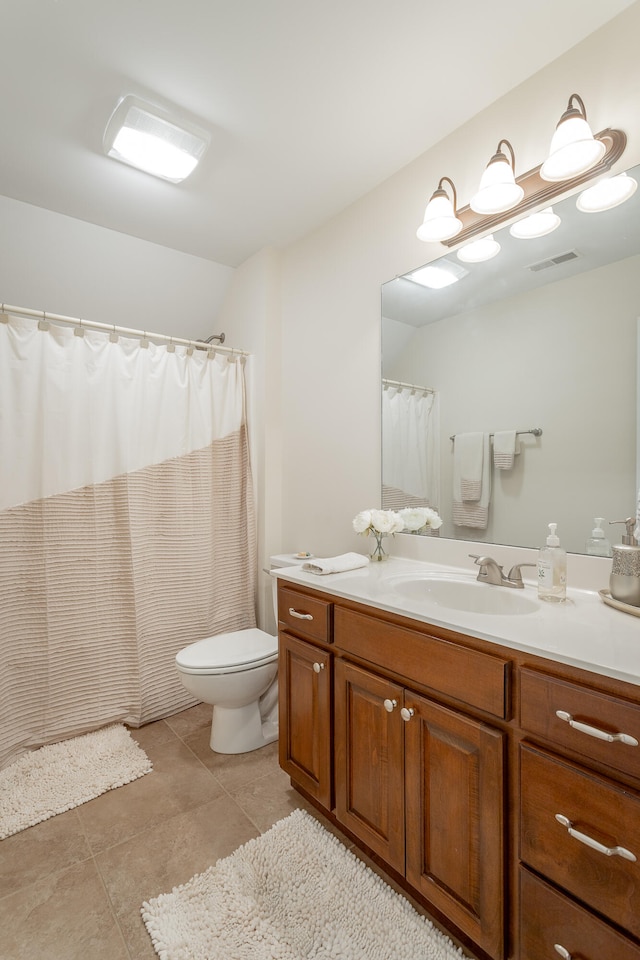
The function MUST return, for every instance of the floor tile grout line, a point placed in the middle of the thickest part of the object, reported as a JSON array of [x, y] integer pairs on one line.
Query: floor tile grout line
[[112, 908]]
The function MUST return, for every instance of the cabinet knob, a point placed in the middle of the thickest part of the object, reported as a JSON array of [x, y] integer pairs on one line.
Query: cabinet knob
[[625, 738], [406, 713], [390, 705], [594, 844], [564, 953], [317, 667], [299, 616]]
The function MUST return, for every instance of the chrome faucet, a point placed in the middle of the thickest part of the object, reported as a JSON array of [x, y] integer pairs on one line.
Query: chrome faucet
[[492, 572]]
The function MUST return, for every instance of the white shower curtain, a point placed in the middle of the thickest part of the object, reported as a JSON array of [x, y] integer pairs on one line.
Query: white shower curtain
[[126, 526], [410, 447]]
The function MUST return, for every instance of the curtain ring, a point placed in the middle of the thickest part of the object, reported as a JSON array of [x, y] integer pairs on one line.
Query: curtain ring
[[44, 323], [144, 343], [113, 336], [171, 347], [79, 330], [4, 317]]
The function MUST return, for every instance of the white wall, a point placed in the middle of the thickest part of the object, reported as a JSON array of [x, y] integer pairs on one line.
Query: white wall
[[72, 268], [331, 284]]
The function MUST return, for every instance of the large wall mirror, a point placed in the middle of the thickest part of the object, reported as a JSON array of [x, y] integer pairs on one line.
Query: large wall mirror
[[541, 339]]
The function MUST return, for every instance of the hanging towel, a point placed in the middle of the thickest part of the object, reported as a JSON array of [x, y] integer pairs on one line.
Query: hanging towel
[[476, 514], [468, 455], [506, 446], [346, 561]]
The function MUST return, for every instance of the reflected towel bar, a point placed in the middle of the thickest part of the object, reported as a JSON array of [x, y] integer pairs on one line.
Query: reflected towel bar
[[536, 432]]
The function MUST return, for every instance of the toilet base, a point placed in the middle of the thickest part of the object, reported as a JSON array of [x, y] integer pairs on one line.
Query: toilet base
[[240, 729]]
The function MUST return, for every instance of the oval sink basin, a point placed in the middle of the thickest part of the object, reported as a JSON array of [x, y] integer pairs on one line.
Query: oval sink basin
[[467, 596]]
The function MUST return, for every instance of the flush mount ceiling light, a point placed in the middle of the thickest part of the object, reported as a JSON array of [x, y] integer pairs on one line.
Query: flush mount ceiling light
[[149, 138], [435, 277], [479, 250], [574, 149], [498, 190], [536, 225], [440, 219], [607, 194]]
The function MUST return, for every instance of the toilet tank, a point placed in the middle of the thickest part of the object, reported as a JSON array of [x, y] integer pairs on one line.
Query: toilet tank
[[282, 560]]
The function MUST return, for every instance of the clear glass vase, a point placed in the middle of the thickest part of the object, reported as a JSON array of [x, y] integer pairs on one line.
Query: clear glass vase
[[377, 552]]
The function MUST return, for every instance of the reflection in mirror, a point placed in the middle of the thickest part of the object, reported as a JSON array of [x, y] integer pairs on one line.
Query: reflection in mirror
[[543, 336]]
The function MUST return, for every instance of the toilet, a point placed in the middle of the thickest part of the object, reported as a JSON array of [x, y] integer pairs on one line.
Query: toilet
[[237, 674]]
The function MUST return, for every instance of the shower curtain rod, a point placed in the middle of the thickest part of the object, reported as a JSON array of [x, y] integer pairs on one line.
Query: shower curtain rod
[[124, 331], [409, 386]]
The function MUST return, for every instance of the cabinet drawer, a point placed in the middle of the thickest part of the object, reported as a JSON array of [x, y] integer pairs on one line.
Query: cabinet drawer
[[595, 725], [478, 679], [598, 812], [547, 918], [304, 615]]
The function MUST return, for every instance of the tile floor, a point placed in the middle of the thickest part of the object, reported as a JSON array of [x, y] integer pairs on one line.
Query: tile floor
[[71, 888]]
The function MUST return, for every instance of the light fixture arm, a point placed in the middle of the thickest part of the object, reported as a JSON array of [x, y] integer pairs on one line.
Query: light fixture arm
[[499, 155], [441, 192], [573, 111]]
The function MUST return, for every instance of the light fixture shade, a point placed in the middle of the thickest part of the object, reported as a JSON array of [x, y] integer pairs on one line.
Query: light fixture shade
[[478, 250], [146, 137], [607, 194], [536, 225], [498, 190], [573, 148], [440, 219]]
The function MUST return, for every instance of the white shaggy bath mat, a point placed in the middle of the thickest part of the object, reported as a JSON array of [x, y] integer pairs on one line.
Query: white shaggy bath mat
[[295, 892], [60, 776]]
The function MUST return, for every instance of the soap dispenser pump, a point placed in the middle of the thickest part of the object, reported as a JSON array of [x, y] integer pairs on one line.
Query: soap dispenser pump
[[624, 582], [552, 569], [597, 544]]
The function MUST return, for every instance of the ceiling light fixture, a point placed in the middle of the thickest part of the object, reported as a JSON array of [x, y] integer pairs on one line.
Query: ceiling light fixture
[[149, 138], [574, 149], [498, 190], [435, 277], [536, 225], [479, 250], [607, 194], [440, 219]]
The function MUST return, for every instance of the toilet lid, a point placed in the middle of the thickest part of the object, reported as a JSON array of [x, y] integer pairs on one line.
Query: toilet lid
[[229, 651]]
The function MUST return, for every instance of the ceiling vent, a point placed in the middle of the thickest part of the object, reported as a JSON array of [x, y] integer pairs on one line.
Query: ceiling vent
[[554, 261]]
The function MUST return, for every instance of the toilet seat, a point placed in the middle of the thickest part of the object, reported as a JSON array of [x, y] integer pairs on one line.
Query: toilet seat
[[233, 652]]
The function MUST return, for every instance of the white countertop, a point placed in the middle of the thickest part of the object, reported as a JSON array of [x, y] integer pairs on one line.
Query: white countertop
[[583, 631]]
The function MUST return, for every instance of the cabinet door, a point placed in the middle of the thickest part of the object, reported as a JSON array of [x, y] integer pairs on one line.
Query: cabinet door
[[304, 694], [455, 818], [369, 757]]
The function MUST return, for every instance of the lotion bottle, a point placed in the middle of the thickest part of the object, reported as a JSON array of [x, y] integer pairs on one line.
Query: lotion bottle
[[552, 569], [597, 544]]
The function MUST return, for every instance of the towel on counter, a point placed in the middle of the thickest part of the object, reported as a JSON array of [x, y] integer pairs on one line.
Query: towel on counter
[[506, 447], [468, 456], [346, 561], [464, 513]]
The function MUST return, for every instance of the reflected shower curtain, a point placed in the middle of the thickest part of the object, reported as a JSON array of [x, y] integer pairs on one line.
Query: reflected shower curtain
[[410, 448], [126, 526]]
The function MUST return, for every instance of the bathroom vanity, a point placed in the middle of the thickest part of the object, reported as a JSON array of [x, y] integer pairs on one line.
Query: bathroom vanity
[[482, 748]]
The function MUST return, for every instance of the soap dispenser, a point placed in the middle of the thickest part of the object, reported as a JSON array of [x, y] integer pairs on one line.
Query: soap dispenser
[[552, 569], [624, 582], [597, 544]]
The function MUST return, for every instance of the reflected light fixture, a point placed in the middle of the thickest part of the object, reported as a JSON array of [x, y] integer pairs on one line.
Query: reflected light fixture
[[498, 190], [536, 225], [436, 276], [607, 194], [149, 138], [479, 250], [574, 149], [440, 219]]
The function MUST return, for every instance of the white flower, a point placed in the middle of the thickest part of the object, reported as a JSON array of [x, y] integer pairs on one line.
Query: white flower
[[362, 521], [418, 518]]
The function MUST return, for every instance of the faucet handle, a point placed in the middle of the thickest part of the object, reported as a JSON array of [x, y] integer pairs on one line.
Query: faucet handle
[[515, 574]]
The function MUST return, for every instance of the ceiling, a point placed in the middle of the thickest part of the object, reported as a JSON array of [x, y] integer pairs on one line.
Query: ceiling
[[309, 105]]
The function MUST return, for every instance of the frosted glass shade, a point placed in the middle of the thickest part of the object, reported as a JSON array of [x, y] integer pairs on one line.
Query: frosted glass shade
[[498, 190], [440, 221], [573, 150], [607, 194], [479, 250], [536, 225]]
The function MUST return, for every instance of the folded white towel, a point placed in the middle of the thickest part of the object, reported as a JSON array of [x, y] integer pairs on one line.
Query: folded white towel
[[468, 454], [346, 561], [465, 514], [506, 446]]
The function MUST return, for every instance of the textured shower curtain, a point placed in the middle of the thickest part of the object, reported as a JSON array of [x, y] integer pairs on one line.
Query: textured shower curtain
[[126, 526], [410, 448]]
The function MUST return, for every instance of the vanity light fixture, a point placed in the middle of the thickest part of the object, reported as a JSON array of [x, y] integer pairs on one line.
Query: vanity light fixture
[[536, 225], [574, 149], [149, 138], [607, 194], [478, 250], [498, 190], [440, 218]]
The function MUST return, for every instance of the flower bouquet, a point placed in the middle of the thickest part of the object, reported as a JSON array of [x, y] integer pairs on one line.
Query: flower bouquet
[[384, 523]]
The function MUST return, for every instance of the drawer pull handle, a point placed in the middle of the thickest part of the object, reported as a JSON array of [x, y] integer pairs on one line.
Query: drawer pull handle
[[299, 616], [595, 732], [406, 713], [390, 705], [590, 842], [317, 667], [564, 953]]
